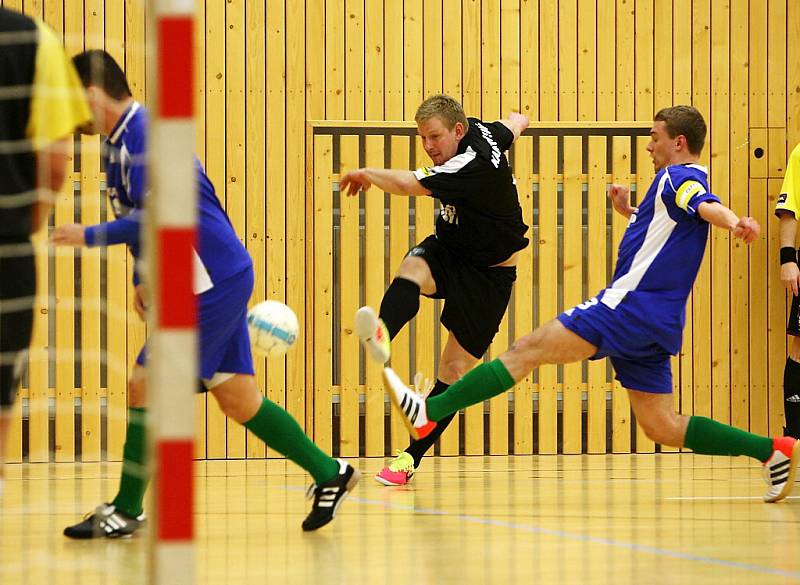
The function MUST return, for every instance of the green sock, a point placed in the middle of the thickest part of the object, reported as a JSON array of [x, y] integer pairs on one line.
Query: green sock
[[280, 431], [480, 384], [709, 437], [135, 474]]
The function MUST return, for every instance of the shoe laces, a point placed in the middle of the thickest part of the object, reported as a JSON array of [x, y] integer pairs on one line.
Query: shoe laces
[[102, 511], [403, 462], [422, 387]]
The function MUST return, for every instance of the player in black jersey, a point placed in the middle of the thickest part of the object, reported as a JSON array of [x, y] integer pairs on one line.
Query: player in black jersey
[[470, 261]]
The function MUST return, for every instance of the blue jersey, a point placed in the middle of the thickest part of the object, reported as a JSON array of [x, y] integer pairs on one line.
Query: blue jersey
[[660, 254], [219, 255]]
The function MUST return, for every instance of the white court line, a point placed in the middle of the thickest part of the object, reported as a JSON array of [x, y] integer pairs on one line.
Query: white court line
[[578, 537], [709, 498]]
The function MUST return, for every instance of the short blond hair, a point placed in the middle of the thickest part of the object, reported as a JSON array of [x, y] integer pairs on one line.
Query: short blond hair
[[444, 107]]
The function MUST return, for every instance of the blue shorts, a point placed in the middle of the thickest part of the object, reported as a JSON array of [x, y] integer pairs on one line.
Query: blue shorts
[[222, 325], [639, 363]]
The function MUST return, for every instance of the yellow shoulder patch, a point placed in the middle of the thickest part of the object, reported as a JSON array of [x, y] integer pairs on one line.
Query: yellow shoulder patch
[[686, 191]]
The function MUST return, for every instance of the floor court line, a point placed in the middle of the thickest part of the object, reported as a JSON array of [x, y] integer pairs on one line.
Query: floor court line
[[577, 537], [721, 498]]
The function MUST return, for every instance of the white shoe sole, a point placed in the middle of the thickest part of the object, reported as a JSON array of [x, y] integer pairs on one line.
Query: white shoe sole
[[787, 487], [366, 324], [389, 379]]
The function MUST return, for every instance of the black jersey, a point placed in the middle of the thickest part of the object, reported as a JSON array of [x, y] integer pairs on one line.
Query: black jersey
[[480, 218], [42, 101], [17, 163]]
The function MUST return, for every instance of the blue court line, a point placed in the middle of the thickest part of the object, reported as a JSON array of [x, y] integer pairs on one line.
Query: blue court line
[[577, 537]]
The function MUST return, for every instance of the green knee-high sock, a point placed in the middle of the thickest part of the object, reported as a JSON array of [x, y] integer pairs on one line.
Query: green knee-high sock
[[483, 382], [280, 431], [135, 474], [709, 437]]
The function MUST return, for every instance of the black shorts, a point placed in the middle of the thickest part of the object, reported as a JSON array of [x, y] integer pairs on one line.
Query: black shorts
[[475, 298], [17, 290], [793, 326]]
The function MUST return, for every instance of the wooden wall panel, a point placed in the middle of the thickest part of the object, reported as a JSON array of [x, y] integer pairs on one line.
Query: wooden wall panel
[[266, 68]]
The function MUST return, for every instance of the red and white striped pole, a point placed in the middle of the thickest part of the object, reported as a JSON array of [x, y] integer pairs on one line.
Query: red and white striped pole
[[172, 213]]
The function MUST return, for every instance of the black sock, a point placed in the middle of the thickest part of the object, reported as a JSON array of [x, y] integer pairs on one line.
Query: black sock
[[417, 449], [399, 305], [791, 397]]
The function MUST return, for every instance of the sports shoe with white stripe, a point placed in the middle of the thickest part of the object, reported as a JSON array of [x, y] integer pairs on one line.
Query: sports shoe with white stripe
[[780, 468], [328, 496], [106, 521], [373, 335], [410, 404]]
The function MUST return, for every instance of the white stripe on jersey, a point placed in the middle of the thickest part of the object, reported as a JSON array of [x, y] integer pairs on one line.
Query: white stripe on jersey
[[125, 165], [698, 167], [453, 165], [202, 280], [658, 232], [134, 108]]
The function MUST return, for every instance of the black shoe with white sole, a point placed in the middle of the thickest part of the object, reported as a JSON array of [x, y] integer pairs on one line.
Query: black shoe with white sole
[[328, 496], [105, 522]]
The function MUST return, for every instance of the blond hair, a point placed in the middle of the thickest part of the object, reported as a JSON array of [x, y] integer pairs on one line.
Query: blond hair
[[444, 107]]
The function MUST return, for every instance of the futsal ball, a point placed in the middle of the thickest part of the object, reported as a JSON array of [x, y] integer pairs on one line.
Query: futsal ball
[[273, 328]]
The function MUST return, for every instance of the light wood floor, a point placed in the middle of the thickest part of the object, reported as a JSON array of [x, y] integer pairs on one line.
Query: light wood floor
[[640, 519]]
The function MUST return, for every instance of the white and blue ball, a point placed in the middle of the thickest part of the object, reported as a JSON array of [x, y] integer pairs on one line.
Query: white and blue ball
[[273, 328]]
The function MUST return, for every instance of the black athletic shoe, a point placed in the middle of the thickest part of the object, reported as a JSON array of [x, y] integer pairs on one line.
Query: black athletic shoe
[[105, 521], [329, 495]]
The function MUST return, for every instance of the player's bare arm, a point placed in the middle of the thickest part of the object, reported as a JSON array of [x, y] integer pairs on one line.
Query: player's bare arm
[[620, 196], [517, 123], [743, 228], [388, 180], [73, 234], [790, 273]]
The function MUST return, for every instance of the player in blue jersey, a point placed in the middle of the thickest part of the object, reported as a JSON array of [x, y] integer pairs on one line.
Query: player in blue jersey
[[638, 319], [223, 283]]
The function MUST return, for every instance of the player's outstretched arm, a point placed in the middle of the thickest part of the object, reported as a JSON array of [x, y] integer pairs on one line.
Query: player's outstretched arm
[[517, 123], [388, 180], [72, 234], [124, 230], [743, 228]]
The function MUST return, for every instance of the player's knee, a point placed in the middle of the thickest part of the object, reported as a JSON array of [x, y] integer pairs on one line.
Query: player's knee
[[238, 398], [416, 270], [229, 406], [662, 430], [794, 349], [526, 351]]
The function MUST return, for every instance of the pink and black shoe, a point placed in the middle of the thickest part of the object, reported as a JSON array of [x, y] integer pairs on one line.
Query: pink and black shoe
[[399, 471]]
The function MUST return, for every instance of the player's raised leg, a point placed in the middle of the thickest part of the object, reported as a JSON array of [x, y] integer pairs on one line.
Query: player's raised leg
[[550, 344], [399, 305]]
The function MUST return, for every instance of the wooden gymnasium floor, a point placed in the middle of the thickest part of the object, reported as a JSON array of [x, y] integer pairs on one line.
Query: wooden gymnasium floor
[[638, 519]]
